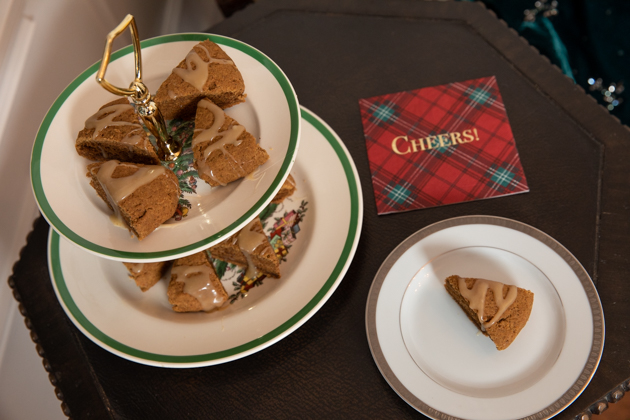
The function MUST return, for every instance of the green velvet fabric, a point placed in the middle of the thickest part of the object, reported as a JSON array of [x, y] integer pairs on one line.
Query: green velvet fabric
[[586, 39]]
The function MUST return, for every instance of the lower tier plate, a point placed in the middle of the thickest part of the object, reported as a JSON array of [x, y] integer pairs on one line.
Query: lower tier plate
[[324, 218]]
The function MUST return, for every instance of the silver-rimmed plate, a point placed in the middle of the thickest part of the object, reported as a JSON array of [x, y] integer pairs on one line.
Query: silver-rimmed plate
[[437, 360], [109, 309], [271, 113]]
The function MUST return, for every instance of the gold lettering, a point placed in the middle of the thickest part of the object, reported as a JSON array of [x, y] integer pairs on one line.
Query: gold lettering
[[443, 140], [456, 138], [432, 142], [395, 147], [416, 143]]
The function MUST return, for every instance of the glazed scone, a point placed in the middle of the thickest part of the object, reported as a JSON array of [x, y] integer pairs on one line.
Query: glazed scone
[[223, 150], [116, 132], [194, 285], [286, 190], [500, 311], [146, 275], [249, 248], [206, 72], [142, 196]]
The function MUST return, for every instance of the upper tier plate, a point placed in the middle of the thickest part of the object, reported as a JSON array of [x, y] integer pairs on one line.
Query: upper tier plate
[[271, 113]]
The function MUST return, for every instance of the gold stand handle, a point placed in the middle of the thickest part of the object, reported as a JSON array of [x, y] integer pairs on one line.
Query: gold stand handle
[[168, 148]]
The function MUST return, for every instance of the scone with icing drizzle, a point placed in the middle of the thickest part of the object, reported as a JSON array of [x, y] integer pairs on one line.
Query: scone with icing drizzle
[[146, 275], [249, 248], [499, 310], [116, 132], [223, 150], [194, 285], [206, 72], [141, 196], [286, 190]]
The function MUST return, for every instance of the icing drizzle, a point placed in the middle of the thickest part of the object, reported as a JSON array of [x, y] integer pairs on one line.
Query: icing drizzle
[[248, 241], [477, 298], [198, 283], [105, 118], [117, 189], [196, 71], [218, 141], [135, 268]]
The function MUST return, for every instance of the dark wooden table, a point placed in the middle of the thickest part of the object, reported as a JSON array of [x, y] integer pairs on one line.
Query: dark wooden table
[[576, 160]]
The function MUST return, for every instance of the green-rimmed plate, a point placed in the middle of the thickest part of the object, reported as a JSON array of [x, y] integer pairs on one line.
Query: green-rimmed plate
[[109, 309], [63, 193]]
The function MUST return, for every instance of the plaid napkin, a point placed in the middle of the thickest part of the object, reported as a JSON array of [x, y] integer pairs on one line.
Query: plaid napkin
[[440, 145]]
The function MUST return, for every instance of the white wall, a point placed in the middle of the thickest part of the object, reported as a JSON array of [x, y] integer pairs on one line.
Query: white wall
[[44, 45]]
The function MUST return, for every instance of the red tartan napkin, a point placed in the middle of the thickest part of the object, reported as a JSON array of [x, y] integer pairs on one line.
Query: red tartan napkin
[[440, 145]]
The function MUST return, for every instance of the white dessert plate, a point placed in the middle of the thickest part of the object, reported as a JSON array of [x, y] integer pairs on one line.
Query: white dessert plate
[[109, 309], [68, 202], [436, 359]]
